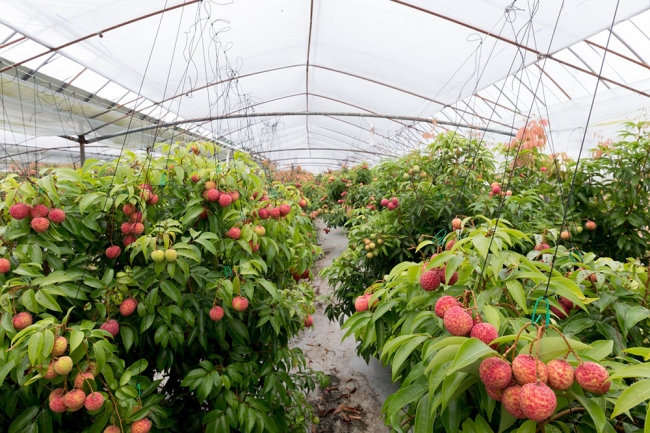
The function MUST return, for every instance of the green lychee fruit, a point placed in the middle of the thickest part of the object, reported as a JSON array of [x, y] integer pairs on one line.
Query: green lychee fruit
[[63, 365], [60, 346], [158, 256], [171, 255]]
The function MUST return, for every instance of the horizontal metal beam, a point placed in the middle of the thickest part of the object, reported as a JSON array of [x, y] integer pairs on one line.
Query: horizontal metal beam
[[300, 113]]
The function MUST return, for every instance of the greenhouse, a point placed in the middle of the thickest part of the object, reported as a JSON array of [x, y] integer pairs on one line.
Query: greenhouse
[[324, 216]]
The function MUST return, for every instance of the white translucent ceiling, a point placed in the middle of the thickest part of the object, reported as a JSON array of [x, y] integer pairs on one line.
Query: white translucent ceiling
[[474, 62]]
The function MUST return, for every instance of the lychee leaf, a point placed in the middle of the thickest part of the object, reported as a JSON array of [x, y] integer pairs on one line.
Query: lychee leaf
[[468, 353], [594, 410]]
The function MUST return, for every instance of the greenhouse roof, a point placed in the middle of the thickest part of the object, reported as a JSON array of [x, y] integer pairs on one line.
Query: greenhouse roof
[[316, 83]]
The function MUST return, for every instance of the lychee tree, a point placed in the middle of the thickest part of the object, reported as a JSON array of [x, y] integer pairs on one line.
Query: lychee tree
[[485, 339], [128, 299]]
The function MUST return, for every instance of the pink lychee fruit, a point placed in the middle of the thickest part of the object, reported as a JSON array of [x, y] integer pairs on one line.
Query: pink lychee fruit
[[391, 205], [225, 200], [112, 429], [234, 195], [136, 217], [60, 346], [264, 213], [511, 401], [138, 229], [58, 392], [560, 313], [128, 209], [537, 401], [285, 209], [495, 373], [450, 244], [127, 228], [239, 303], [153, 200], [113, 252], [560, 374], [592, 377], [486, 333], [234, 233], [56, 216], [361, 304], [212, 195], [50, 373], [458, 322], [309, 321], [275, 212], [81, 378], [22, 320], [429, 280], [75, 399], [141, 426], [527, 369], [128, 240], [445, 303], [92, 368], [39, 211], [5, 266], [63, 365], [384, 202], [128, 306], [216, 313], [57, 404], [94, 401], [112, 327], [40, 224], [19, 211], [495, 394]]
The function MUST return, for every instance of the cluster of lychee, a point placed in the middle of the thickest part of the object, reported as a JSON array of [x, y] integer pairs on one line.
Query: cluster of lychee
[[305, 275], [459, 322], [170, 255], [391, 204], [130, 229], [526, 388], [371, 244], [40, 215], [432, 279], [274, 212], [213, 195], [61, 400], [495, 189], [239, 303], [147, 194], [414, 171]]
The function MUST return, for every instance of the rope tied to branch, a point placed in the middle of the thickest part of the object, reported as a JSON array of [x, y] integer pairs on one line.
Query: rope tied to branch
[[536, 317]]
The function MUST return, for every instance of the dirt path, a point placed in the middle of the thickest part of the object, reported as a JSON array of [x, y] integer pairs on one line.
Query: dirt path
[[352, 402]]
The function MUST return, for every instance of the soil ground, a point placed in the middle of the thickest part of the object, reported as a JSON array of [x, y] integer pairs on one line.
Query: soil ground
[[352, 401]]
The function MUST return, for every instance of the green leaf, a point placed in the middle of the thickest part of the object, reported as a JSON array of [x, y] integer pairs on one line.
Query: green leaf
[[171, 291], [46, 300], [19, 424], [594, 410], [76, 337], [528, 427], [631, 397], [470, 351], [517, 292], [406, 396], [87, 200], [633, 316], [35, 347], [640, 370], [451, 417], [423, 420], [405, 351], [553, 347], [5, 370]]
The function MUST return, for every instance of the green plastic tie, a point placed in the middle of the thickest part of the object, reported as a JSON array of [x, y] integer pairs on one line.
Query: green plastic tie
[[139, 390], [218, 168], [227, 271], [163, 180], [536, 316], [440, 237]]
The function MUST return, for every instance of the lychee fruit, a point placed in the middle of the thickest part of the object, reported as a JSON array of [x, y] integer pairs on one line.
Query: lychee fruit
[[113, 252], [496, 189], [566, 303], [5, 266], [234, 233], [308, 321], [128, 209], [225, 200], [126, 228], [136, 217], [429, 280], [527, 369], [361, 304], [210, 185], [302, 203], [57, 404], [275, 212], [561, 313], [260, 230], [158, 256], [212, 195], [56, 216], [395, 201], [112, 327], [128, 306], [94, 401], [112, 429], [285, 209], [456, 223], [384, 202], [141, 426], [58, 392], [592, 377], [138, 229], [234, 195], [391, 205], [171, 255], [92, 368], [541, 247], [60, 346], [128, 240], [450, 244], [511, 401], [63, 365], [565, 235], [19, 211], [40, 224], [39, 211], [75, 399], [195, 178], [537, 401], [458, 322], [216, 313], [560, 374], [486, 333], [590, 225], [50, 373], [22, 320], [153, 200], [239, 303], [81, 378], [495, 394], [445, 303], [264, 213], [254, 247], [495, 373]]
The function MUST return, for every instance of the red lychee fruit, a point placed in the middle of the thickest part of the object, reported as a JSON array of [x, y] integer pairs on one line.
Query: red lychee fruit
[[458, 322], [56, 216], [511, 401], [302, 203], [5, 266], [543, 169], [138, 229], [127, 228], [560, 374], [445, 303], [254, 247], [60, 346], [528, 370], [234, 195], [590, 225], [308, 321], [128, 306], [128, 209], [212, 195], [112, 429], [92, 368], [81, 378], [456, 223], [495, 394], [128, 240], [541, 247], [94, 401], [495, 373], [593, 377], [395, 201], [285, 209], [50, 373], [57, 404], [566, 303], [39, 211], [153, 200], [22, 320], [40, 224], [141, 426], [305, 274], [145, 187], [234, 233], [216, 313], [429, 280], [112, 327], [58, 392], [19, 211], [195, 178], [239, 303], [537, 401], [225, 200], [361, 304], [486, 333], [63, 365], [391, 205], [384, 202], [136, 217], [496, 189], [275, 212], [264, 213], [113, 252], [145, 195], [75, 399], [450, 244], [561, 313], [565, 235]]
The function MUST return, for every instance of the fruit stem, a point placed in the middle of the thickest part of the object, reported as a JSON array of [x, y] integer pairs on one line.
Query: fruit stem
[[514, 344], [567, 342]]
